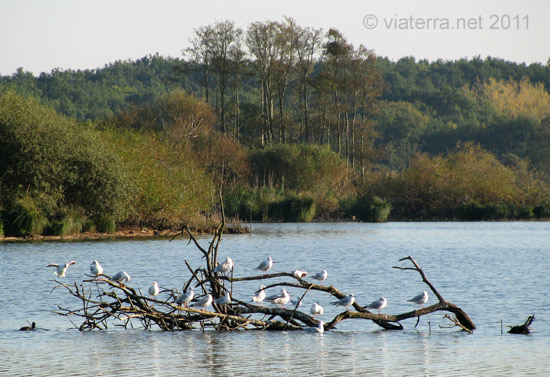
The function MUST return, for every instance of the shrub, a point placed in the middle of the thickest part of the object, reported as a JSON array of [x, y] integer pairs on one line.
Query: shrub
[[436, 187], [372, 209], [300, 168], [26, 218], [496, 211], [56, 162], [293, 209], [57, 228], [89, 226], [240, 202], [542, 211], [470, 211], [328, 207], [105, 224], [526, 213], [72, 221], [167, 187]]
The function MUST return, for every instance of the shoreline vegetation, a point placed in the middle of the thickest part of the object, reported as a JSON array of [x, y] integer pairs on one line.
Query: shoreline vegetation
[[315, 129], [126, 233], [144, 233]]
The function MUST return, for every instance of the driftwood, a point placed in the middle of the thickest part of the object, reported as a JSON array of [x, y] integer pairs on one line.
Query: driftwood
[[103, 301], [523, 329]]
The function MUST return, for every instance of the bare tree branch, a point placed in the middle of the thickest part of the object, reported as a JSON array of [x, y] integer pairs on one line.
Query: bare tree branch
[[103, 300]]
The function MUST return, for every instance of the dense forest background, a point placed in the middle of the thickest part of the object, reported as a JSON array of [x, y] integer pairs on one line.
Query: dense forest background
[[289, 123]]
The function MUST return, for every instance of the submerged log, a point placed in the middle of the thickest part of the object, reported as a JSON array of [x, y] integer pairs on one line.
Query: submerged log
[[523, 329]]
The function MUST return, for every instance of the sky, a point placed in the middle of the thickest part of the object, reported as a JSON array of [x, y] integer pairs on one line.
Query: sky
[[42, 35]]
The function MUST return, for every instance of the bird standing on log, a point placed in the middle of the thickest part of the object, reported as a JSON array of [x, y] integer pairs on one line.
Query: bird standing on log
[[259, 297], [121, 278], [316, 309], [345, 301], [280, 299], [225, 266], [96, 269], [321, 276], [298, 273], [203, 302], [378, 304], [154, 289], [420, 299], [265, 265], [186, 297]]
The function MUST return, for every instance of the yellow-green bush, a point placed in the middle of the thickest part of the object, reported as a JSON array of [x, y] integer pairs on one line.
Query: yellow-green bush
[[467, 183], [169, 187]]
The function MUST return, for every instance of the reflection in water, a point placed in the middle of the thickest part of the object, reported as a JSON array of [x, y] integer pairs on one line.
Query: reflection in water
[[424, 355], [322, 355], [156, 361], [358, 258], [419, 356]]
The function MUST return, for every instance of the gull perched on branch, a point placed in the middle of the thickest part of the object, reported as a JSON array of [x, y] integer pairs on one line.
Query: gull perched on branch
[[154, 289], [121, 278], [259, 297], [420, 299], [316, 309], [225, 266], [203, 302], [224, 300], [61, 268], [265, 265], [298, 273], [279, 299], [345, 301], [378, 304], [96, 269], [186, 297], [321, 276]]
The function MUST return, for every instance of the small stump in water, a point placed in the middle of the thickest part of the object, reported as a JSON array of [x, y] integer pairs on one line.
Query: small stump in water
[[523, 329]]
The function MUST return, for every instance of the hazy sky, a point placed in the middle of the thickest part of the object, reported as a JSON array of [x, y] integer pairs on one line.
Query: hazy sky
[[40, 35]]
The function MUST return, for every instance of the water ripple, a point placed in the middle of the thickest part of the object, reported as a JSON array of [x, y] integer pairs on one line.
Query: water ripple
[[496, 271]]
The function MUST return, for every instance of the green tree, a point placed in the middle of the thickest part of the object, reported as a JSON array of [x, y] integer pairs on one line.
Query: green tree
[[301, 168], [400, 128], [307, 45], [170, 188], [52, 164], [218, 48]]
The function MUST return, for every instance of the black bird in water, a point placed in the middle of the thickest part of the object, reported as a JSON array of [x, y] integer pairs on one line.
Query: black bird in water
[[28, 328]]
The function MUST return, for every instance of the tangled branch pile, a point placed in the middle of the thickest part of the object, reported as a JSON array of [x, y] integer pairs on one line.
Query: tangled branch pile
[[105, 300]]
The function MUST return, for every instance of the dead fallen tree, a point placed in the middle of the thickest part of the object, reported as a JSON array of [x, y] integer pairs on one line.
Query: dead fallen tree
[[104, 301]]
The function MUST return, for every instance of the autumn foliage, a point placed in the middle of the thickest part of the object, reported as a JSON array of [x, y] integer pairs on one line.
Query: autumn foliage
[[438, 186], [290, 123]]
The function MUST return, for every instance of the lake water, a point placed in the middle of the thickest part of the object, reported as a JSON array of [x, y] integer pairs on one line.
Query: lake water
[[497, 272]]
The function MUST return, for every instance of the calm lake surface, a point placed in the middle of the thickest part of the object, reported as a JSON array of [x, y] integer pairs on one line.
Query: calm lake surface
[[496, 272]]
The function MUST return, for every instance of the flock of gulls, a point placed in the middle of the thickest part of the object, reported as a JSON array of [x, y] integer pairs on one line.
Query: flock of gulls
[[188, 298]]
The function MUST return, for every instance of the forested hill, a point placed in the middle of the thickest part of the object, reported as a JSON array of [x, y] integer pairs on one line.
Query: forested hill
[[291, 123], [94, 94], [429, 106], [99, 93]]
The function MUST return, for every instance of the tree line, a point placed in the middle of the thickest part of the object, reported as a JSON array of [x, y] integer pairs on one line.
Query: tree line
[[291, 122]]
